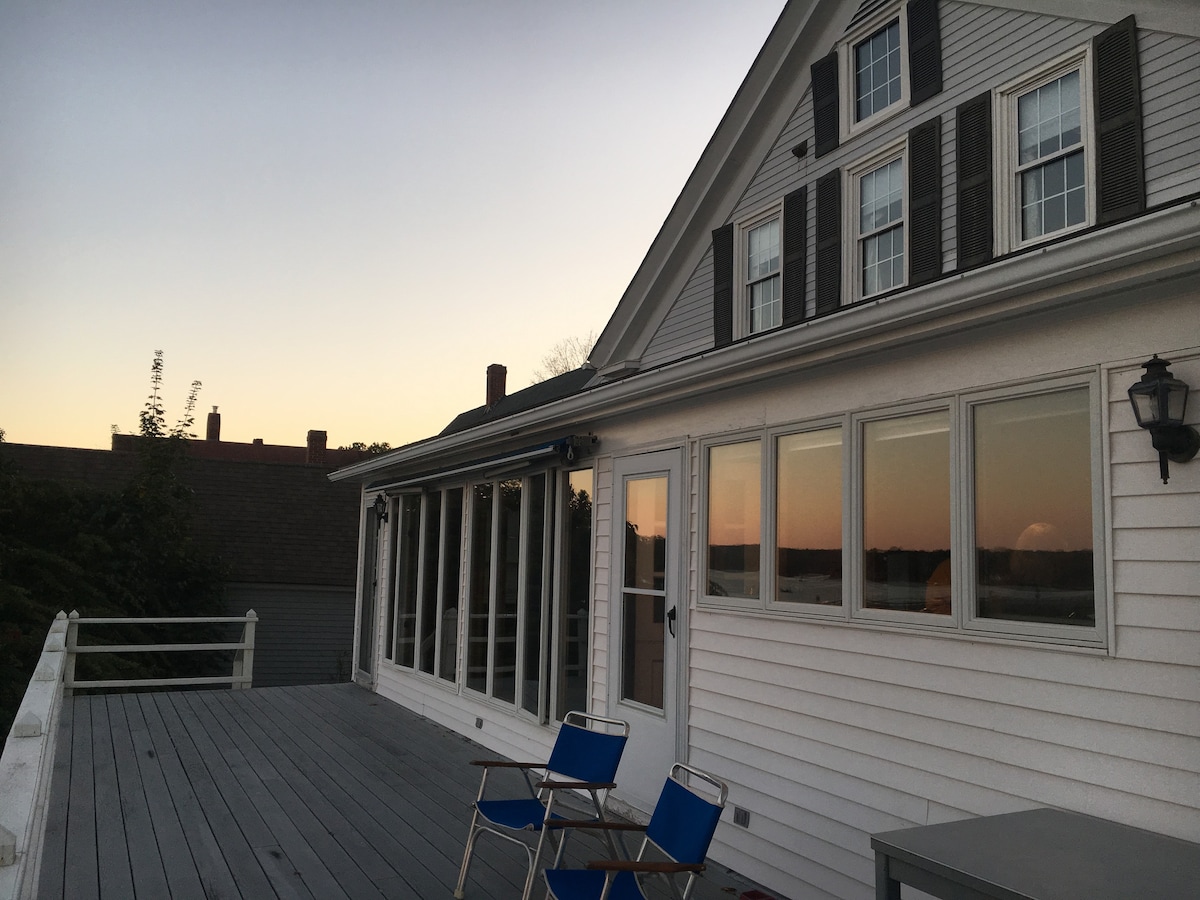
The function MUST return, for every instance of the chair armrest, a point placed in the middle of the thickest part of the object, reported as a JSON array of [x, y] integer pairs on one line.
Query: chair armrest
[[505, 764], [577, 785], [633, 865], [594, 823]]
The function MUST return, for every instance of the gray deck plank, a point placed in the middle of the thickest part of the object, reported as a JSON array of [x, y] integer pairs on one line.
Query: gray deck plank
[[303, 839], [375, 845], [298, 793], [112, 847], [183, 880], [327, 826], [145, 857], [82, 877], [54, 840], [220, 832], [421, 831]]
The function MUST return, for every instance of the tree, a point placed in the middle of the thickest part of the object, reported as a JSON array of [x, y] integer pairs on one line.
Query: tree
[[128, 552], [566, 356], [371, 449]]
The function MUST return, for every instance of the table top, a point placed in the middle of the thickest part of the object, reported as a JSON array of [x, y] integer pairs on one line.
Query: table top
[[1049, 854]]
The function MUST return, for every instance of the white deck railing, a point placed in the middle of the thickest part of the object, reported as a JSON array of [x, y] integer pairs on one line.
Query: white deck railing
[[29, 751]]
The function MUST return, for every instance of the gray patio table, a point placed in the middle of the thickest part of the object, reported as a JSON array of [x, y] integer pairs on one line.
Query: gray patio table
[[1038, 854]]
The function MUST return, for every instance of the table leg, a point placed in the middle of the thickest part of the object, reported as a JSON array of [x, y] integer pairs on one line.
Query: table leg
[[886, 887]]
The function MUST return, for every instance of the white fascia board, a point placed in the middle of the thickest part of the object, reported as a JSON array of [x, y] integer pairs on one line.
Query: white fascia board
[[1154, 248]]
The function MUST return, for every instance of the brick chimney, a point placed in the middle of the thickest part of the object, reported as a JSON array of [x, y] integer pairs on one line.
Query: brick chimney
[[496, 375], [316, 448], [214, 426]]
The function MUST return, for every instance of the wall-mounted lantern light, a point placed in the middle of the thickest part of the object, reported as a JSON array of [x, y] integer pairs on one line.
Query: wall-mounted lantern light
[[1159, 403], [380, 506]]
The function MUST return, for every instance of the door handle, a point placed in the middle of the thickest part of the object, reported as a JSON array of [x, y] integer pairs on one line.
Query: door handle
[[671, 620]]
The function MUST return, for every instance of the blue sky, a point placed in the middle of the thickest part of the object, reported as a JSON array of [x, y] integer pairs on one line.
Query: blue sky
[[334, 215]]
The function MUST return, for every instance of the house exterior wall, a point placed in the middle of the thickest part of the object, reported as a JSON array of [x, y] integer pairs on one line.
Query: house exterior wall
[[830, 731], [982, 48]]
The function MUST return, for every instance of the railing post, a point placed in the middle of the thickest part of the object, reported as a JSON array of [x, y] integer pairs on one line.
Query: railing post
[[243, 660], [72, 643]]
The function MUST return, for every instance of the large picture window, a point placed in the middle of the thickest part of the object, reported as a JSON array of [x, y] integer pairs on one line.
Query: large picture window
[[808, 517], [975, 513], [734, 518]]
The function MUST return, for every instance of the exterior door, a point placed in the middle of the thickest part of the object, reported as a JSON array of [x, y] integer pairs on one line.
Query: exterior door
[[647, 619]]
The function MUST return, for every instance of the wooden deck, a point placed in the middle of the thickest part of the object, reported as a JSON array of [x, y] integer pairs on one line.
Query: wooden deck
[[304, 792]]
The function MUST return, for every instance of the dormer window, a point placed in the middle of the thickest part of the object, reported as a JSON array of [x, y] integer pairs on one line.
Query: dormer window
[[887, 62], [877, 72]]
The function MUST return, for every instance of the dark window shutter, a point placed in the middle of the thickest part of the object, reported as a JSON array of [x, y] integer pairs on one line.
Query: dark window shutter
[[723, 285], [974, 126], [829, 242], [924, 50], [925, 193], [825, 104], [1120, 178], [795, 254]]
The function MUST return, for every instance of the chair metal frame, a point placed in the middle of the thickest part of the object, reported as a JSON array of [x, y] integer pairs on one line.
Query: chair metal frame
[[584, 760], [680, 830]]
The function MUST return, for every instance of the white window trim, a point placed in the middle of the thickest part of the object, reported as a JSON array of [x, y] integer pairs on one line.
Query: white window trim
[[962, 622], [847, 79], [851, 251], [1006, 190], [741, 296]]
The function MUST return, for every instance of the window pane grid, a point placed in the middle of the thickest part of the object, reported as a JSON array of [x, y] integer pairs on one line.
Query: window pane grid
[[881, 226], [766, 305], [1050, 158], [877, 71]]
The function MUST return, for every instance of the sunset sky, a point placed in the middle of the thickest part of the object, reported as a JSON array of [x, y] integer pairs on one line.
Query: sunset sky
[[333, 215]]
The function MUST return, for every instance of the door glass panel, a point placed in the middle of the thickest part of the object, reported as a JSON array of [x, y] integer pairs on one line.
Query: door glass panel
[[644, 650], [645, 532], [644, 599]]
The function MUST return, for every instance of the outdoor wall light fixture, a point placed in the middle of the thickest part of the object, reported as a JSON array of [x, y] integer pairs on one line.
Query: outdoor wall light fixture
[[1159, 403], [380, 507]]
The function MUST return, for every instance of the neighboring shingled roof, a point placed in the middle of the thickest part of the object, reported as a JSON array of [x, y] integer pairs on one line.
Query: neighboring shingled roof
[[268, 523], [540, 394]]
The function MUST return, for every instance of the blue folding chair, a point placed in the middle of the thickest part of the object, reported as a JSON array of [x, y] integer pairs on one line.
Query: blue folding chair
[[675, 844], [585, 758]]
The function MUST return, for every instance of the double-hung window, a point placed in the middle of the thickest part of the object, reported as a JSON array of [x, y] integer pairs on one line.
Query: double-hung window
[[1043, 130], [876, 222], [875, 71], [760, 306]]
